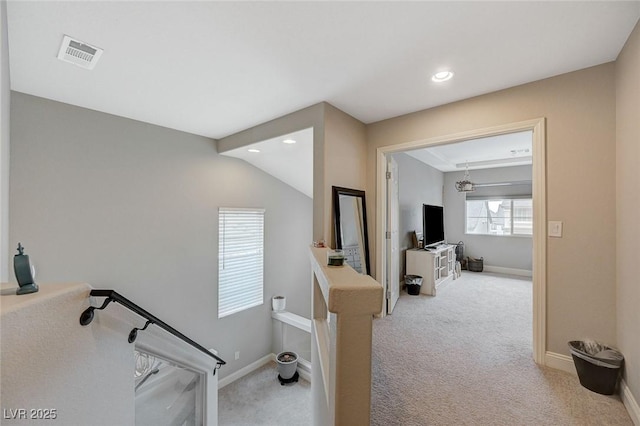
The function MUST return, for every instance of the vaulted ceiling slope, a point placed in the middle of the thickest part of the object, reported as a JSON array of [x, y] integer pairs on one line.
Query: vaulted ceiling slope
[[215, 68]]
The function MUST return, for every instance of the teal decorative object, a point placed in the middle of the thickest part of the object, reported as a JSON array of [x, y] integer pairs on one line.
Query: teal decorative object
[[22, 269]]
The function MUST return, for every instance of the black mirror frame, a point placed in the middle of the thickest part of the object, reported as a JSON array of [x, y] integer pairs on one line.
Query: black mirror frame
[[337, 191]]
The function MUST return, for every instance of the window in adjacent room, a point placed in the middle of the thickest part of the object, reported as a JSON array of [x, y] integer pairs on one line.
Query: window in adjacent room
[[240, 259], [499, 216]]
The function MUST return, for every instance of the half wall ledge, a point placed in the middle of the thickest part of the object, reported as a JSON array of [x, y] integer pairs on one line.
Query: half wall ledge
[[343, 303]]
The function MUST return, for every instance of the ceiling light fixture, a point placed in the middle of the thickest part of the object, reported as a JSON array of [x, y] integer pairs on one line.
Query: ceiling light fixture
[[441, 76], [465, 185], [253, 150], [289, 141]]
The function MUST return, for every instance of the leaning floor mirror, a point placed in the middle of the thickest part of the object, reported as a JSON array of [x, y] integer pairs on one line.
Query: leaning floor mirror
[[350, 221]]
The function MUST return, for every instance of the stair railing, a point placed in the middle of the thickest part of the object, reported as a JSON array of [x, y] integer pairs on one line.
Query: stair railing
[[112, 296]]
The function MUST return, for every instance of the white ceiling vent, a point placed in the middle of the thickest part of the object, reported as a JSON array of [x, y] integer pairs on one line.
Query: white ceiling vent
[[79, 53]]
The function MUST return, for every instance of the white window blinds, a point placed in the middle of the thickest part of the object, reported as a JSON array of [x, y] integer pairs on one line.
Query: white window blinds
[[499, 216], [497, 190], [240, 259]]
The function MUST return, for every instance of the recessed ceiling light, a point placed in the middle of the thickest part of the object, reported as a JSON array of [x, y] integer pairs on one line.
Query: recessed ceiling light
[[441, 76], [253, 150], [289, 141]]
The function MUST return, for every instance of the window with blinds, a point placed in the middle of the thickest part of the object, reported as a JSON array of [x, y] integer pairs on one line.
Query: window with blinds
[[240, 259], [500, 208], [499, 216]]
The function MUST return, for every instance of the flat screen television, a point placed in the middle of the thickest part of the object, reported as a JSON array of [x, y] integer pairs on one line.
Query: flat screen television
[[433, 224]]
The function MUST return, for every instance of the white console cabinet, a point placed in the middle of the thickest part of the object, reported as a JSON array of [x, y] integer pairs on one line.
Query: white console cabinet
[[435, 266]]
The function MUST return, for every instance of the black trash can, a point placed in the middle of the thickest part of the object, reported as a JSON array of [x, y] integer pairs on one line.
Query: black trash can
[[598, 366], [413, 284]]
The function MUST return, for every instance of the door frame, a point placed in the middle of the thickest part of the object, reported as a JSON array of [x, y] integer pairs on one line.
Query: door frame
[[539, 168], [391, 176]]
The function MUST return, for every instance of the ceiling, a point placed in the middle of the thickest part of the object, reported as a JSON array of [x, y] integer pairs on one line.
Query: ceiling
[[513, 149], [215, 68], [292, 163]]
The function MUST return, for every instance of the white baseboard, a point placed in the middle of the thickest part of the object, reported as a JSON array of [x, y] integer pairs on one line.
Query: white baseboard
[[565, 363], [507, 271], [245, 370], [560, 362], [304, 370], [630, 402]]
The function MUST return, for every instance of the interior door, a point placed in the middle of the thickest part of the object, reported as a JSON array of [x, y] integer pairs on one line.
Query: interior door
[[393, 242]]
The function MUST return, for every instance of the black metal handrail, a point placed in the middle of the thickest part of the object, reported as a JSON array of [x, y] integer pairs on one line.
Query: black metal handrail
[[112, 296]]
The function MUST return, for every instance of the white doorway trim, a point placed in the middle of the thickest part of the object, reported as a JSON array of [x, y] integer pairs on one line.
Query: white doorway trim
[[538, 127]]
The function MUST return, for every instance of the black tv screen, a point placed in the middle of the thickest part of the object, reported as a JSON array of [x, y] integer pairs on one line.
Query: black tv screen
[[433, 224]]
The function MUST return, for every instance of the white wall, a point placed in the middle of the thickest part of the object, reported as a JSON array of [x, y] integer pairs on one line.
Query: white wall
[[131, 206], [5, 101], [418, 184], [49, 361], [504, 252]]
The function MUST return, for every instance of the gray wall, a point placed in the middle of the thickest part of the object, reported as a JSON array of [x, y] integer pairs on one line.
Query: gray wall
[[505, 252], [131, 206], [5, 100], [418, 184]]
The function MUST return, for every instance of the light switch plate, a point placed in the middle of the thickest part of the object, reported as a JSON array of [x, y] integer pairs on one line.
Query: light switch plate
[[555, 228]]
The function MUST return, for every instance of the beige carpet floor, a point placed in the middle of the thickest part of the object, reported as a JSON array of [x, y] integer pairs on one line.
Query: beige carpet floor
[[464, 357], [259, 399]]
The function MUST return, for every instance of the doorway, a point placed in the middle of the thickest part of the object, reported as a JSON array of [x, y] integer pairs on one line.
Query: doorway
[[537, 127]]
